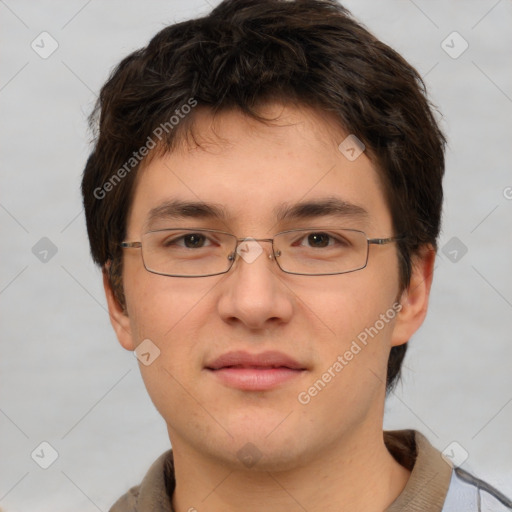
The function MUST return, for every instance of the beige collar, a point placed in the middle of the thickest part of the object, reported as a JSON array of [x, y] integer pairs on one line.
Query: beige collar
[[428, 484]]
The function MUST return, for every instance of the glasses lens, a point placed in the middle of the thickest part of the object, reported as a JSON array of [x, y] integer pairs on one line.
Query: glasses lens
[[186, 252], [321, 251]]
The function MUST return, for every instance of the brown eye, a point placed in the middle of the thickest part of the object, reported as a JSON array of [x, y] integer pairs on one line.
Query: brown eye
[[194, 240], [318, 240]]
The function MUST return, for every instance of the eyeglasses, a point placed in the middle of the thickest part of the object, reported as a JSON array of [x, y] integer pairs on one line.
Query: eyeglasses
[[188, 252]]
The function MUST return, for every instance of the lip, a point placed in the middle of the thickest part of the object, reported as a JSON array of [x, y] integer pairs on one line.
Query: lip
[[269, 359], [255, 372]]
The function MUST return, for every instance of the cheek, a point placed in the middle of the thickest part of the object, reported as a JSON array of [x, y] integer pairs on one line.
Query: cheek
[[164, 308], [167, 312], [355, 321], [346, 305], [353, 355]]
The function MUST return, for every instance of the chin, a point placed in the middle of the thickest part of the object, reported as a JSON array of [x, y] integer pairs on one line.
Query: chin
[[257, 456], [268, 449]]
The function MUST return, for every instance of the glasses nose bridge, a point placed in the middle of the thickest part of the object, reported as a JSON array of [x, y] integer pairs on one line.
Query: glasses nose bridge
[[272, 255], [252, 239]]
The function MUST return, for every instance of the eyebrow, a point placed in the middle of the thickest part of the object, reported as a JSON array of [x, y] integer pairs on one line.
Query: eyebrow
[[330, 206], [176, 209]]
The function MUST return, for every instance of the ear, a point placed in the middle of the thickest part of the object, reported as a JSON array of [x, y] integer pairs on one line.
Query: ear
[[414, 299], [118, 316]]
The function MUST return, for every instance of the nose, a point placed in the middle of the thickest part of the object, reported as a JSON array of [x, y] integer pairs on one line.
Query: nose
[[253, 292]]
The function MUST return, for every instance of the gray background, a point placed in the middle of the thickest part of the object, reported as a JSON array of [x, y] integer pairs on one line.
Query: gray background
[[63, 377]]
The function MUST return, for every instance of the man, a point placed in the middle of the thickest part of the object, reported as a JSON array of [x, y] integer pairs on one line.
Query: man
[[264, 198]]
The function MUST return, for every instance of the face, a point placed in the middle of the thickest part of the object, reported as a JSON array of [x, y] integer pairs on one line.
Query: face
[[251, 171]]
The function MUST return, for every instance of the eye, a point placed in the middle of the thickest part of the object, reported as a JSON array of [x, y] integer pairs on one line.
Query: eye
[[189, 241], [318, 240], [321, 240], [194, 240]]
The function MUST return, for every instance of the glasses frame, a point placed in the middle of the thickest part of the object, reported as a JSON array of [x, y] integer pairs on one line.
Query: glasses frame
[[274, 255]]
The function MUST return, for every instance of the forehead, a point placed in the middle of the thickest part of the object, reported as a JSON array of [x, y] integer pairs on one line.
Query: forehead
[[253, 174]]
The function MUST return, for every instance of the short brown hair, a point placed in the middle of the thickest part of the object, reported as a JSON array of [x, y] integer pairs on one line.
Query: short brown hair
[[241, 55]]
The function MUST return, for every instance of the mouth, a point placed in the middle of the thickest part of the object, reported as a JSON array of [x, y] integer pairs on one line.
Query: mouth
[[252, 367], [255, 378], [258, 372]]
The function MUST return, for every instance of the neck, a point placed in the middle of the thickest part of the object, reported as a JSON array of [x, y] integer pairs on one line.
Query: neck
[[357, 474]]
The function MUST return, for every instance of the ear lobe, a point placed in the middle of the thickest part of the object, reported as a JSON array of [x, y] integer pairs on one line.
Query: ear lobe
[[118, 315], [414, 299]]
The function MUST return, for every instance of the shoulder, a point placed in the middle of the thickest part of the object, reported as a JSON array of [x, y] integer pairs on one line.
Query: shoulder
[[127, 502], [154, 493], [435, 484], [469, 493]]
